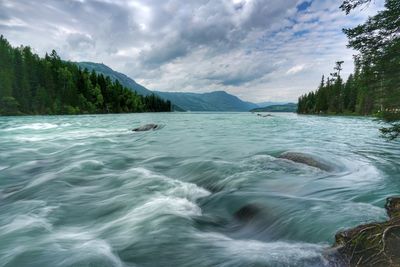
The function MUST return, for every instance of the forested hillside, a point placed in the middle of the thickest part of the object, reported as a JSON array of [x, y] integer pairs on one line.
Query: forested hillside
[[374, 87], [289, 107], [33, 85]]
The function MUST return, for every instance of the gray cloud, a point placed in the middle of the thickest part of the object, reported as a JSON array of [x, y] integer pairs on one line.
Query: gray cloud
[[3, 16], [170, 48], [81, 41], [257, 49]]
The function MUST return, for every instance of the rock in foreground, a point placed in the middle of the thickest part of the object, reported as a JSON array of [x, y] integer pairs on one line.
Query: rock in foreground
[[373, 244], [146, 127]]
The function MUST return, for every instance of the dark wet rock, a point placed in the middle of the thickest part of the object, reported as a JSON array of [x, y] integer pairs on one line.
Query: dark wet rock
[[264, 115], [373, 244], [247, 212], [146, 127], [305, 159]]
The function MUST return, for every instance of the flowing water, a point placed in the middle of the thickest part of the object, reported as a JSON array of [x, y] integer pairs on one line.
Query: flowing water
[[208, 189]]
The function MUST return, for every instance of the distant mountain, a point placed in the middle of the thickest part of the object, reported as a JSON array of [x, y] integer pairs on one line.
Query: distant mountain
[[289, 107], [270, 103], [214, 101], [122, 78]]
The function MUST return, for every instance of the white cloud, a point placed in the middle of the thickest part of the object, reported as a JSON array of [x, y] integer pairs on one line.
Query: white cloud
[[257, 49], [295, 69]]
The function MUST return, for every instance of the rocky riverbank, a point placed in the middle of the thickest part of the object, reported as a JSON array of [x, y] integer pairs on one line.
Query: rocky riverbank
[[373, 244]]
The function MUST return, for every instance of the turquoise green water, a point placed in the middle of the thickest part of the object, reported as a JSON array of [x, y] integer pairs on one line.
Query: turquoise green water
[[86, 191]]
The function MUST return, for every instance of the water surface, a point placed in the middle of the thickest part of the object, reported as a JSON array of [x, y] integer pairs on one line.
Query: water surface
[[208, 189]]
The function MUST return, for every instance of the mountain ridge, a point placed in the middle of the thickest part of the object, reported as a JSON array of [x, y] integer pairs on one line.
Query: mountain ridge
[[211, 101], [182, 101]]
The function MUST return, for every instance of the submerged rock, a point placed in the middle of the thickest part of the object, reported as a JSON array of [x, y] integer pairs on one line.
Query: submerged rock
[[305, 159], [146, 127], [373, 244], [247, 212]]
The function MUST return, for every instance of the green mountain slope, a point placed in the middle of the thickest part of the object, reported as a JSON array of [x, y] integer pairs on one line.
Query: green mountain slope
[[289, 107], [115, 75], [214, 101]]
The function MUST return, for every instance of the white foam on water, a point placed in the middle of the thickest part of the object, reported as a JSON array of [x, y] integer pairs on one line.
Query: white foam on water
[[33, 126], [177, 188], [189, 191], [3, 167], [45, 177], [171, 197], [157, 206], [360, 211], [42, 179], [87, 133], [91, 163], [148, 219], [169, 205], [93, 248], [25, 222], [31, 138], [271, 253], [65, 134], [82, 246], [167, 196]]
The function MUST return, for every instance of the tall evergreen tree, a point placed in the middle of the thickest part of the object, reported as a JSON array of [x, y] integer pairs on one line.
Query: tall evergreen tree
[[374, 86], [33, 85]]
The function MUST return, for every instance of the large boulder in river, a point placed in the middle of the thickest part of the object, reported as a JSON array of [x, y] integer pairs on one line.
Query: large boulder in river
[[373, 244], [305, 159], [146, 127]]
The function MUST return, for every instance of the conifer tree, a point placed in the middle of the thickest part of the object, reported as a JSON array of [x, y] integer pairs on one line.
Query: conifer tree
[[33, 85]]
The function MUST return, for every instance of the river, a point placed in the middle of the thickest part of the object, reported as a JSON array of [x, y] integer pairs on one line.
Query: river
[[208, 189]]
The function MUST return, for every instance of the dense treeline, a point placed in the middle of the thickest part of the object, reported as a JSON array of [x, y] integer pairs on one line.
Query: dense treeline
[[374, 87], [33, 85]]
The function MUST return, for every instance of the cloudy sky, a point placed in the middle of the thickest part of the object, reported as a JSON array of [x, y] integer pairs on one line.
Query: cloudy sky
[[259, 50]]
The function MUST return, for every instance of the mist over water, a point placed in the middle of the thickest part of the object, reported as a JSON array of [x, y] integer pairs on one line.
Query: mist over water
[[208, 189]]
